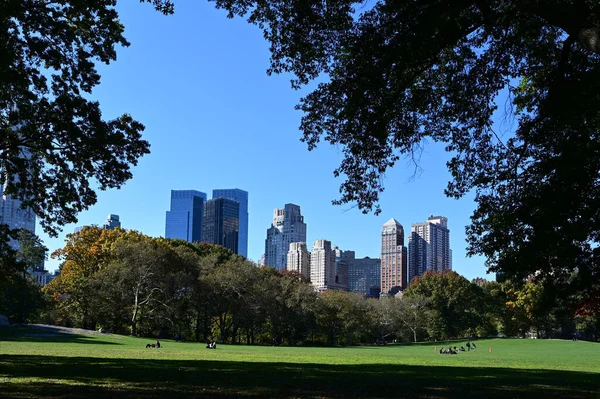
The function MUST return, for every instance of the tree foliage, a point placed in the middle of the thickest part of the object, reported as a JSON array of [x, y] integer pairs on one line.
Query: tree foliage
[[401, 72], [54, 140]]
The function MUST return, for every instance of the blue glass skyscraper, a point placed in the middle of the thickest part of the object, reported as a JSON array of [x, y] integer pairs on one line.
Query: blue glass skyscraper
[[184, 220], [241, 197]]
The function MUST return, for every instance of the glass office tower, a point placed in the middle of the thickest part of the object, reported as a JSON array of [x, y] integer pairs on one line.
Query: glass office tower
[[221, 223], [184, 220], [241, 197]]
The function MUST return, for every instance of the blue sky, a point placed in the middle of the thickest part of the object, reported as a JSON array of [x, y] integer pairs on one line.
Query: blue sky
[[214, 119]]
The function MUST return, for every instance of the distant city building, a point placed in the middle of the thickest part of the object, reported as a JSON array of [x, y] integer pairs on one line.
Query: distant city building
[[480, 281], [429, 246], [298, 259], [364, 274], [42, 277], [342, 259], [261, 261], [12, 214], [322, 266], [220, 223], [241, 197], [184, 220], [112, 222], [287, 227], [393, 257]]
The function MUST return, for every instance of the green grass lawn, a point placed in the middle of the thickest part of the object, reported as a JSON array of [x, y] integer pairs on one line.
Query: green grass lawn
[[40, 363]]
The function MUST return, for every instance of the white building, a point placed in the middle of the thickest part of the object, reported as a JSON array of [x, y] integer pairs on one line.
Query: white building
[[429, 246], [298, 259], [287, 227], [322, 266]]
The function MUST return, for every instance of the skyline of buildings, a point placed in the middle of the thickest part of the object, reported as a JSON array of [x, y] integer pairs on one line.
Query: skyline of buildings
[[223, 220], [287, 227]]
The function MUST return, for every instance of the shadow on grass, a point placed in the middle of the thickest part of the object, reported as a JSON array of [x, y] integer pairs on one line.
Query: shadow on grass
[[37, 334], [52, 377]]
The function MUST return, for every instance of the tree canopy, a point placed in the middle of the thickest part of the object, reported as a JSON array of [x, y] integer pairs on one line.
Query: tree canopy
[[396, 73], [54, 141]]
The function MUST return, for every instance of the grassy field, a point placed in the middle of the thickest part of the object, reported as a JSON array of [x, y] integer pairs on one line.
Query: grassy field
[[41, 363]]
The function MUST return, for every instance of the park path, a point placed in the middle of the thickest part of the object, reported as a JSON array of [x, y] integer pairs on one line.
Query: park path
[[65, 330]]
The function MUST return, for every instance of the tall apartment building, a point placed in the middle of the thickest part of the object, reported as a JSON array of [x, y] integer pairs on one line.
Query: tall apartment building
[[393, 257], [184, 220], [287, 227], [342, 260], [112, 222], [364, 275], [220, 223], [298, 259], [13, 215], [241, 197], [322, 266], [429, 246]]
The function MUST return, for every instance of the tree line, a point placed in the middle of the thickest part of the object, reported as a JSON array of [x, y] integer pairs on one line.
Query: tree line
[[129, 283]]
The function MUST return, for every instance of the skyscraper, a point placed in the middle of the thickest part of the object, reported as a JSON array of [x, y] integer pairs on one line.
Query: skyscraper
[[220, 223], [184, 220], [342, 260], [298, 259], [112, 222], [393, 257], [322, 266], [429, 246], [288, 226], [13, 215], [240, 196]]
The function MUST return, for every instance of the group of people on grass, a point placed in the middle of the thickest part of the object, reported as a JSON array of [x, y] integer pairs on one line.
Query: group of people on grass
[[453, 350], [211, 345]]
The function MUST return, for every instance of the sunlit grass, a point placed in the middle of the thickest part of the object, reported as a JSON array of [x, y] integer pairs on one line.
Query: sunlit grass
[[105, 365]]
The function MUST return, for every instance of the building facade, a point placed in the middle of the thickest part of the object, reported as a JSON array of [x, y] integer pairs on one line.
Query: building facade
[[287, 227], [394, 257], [342, 260], [322, 266], [14, 216], [429, 246], [112, 222], [241, 197], [298, 259], [364, 275], [184, 220], [220, 223]]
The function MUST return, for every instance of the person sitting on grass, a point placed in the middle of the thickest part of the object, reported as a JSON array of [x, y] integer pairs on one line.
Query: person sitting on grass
[[157, 344], [468, 345], [441, 350]]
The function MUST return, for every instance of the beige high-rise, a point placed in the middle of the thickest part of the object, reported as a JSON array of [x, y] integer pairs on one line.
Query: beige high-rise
[[298, 259], [394, 257], [322, 266]]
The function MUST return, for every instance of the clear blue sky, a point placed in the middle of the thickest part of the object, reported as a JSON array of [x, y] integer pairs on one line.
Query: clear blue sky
[[214, 119]]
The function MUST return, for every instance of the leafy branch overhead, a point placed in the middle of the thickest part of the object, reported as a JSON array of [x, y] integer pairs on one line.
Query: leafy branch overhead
[[53, 138], [403, 71]]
